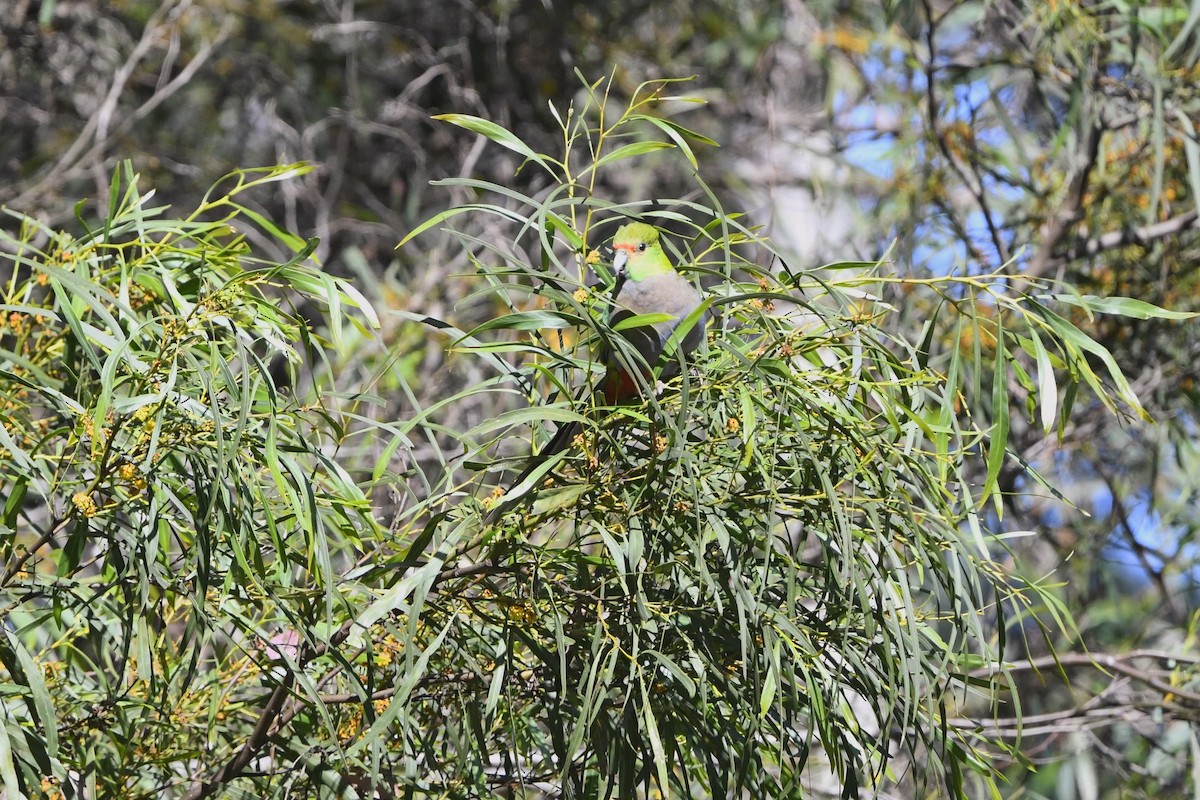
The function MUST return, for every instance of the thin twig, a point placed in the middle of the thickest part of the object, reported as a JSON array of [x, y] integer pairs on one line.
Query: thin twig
[[931, 110]]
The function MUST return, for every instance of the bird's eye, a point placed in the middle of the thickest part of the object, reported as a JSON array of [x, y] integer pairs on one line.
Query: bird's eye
[[642, 247]]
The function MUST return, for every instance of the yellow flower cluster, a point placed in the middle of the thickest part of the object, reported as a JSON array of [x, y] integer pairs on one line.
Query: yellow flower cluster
[[84, 502], [132, 476], [51, 788]]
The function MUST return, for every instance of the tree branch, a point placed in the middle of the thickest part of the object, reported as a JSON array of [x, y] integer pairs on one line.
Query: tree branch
[[974, 187], [1143, 235], [1106, 662], [1055, 228]]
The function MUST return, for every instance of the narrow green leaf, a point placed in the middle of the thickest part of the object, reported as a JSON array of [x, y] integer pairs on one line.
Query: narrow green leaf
[[677, 134], [677, 672], [1072, 336], [1191, 147], [749, 424], [497, 134], [494, 689], [523, 416], [16, 495], [438, 219], [294, 243], [567, 230], [526, 321], [656, 745], [34, 682], [553, 500], [1068, 403], [627, 151], [1047, 385], [998, 437], [766, 697], [8, 773], [1121, 306], [1158, 139], [641, 319]]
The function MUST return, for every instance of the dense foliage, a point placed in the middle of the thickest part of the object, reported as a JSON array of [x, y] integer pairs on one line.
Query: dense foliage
[[976, 160], [1057, 141], [775, 562]]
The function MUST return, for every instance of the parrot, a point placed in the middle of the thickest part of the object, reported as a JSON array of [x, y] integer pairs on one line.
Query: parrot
[[647, 284]]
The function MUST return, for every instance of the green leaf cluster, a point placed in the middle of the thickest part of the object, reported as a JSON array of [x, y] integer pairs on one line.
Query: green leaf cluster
[[787, 561], [169, 495]]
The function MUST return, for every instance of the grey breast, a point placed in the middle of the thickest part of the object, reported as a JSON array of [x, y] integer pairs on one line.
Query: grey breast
[[669, 294]]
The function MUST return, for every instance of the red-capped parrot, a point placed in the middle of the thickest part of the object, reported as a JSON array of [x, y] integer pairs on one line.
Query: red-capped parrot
[[647, 285]]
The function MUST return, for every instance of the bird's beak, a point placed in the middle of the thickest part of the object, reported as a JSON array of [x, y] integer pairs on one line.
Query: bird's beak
[[619, 260]]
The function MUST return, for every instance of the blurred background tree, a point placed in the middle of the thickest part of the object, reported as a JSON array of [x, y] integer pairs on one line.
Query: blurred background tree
[[1049, 140], [1058, 140]]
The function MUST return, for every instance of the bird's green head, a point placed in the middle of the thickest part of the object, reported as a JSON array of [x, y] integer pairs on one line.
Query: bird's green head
[[639, 253]]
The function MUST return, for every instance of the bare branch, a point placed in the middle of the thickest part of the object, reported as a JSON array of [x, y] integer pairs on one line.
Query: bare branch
[[90, 145], [1142, 235]]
